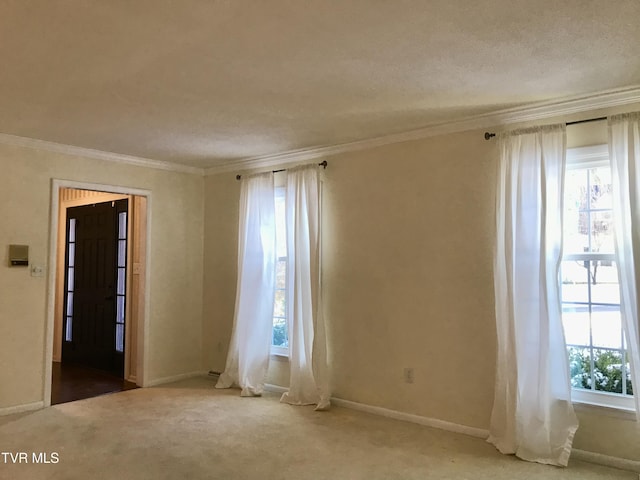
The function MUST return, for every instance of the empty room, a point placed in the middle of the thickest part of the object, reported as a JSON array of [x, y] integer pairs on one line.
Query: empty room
[[310, 240]]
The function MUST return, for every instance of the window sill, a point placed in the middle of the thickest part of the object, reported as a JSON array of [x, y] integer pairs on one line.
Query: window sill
[[603, 404], [594, 409], [280, 352]]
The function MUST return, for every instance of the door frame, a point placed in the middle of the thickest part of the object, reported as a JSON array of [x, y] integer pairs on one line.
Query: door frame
[[143, 326]]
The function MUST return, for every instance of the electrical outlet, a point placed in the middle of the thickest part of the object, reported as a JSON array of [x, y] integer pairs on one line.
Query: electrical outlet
[[408, 375]]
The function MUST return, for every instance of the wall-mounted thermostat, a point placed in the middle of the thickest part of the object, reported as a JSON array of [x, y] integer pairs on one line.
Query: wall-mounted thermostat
[[18, 255]]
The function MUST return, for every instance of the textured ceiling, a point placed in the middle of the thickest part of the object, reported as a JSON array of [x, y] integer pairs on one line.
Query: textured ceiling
[[199, 82]]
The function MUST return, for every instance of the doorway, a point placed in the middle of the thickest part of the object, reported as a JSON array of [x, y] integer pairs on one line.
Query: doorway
[[99, 306]]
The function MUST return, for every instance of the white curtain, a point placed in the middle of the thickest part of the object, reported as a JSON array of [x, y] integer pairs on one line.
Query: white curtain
[[624, 154], [532, 415], [249, 350], [308, 383]]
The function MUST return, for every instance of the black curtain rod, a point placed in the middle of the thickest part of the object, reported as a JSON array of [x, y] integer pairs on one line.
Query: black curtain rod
[[321, 164], [488, 135]]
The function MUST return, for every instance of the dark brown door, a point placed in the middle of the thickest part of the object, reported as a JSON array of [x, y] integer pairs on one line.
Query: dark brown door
[[95, 263]]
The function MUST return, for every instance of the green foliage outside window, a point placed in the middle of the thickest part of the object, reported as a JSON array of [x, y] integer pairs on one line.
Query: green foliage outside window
[[607, 370], [280, 334]]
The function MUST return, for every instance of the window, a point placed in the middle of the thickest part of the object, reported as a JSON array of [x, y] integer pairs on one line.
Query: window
[[599, 367], [71, 249], [280, 338], [121, 289]]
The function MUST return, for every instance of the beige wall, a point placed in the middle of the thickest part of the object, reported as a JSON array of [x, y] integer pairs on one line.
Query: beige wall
[[176, 272], [222, 194], [407, 276], [408, 279]]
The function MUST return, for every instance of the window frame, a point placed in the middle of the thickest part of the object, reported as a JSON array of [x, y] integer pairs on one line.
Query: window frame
[[583, 158]]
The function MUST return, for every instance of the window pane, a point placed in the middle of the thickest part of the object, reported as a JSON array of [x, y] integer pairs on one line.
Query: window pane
[[576, 219], [604, 279], [70, 279], [72, 254], [575, 319], [72, 230], [575, 185], [279, 304], [600, 183], [70, 303], [122, 225], [602, 232], [121, 281], [281, 273], [574, 281], [606, 326], [576, 233], [280, 338], [607, 370], [120, 310], [120, 338], [67, 333], [122, 253], [281, 222], [580, 367]]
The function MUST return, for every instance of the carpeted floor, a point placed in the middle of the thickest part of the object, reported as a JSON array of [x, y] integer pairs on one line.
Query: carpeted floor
[[190, 430]]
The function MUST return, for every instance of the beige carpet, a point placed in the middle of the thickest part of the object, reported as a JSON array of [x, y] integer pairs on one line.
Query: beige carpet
[[189, 430]]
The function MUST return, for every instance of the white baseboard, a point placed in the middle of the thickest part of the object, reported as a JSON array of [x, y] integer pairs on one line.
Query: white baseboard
[[606, 460], [27, 407], [576, 454], [408, 417], [174, 378]]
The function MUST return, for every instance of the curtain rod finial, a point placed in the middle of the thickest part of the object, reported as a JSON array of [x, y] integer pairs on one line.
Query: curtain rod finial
[[238, 177], [323, 164], [488, 135]]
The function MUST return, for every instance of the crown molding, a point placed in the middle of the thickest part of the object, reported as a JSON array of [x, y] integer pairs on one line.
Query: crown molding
[[531, 112], [528, 113], [15, 140]]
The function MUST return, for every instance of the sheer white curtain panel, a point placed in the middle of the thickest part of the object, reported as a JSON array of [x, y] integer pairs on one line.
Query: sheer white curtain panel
[[249, 350], [308, 382], [624, 154], [532, 415]]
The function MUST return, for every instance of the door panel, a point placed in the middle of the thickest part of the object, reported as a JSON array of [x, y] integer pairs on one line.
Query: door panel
[[90, 287]]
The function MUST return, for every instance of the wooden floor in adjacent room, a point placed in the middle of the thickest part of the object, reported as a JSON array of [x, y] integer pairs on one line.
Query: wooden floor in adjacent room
[[70, 382]]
